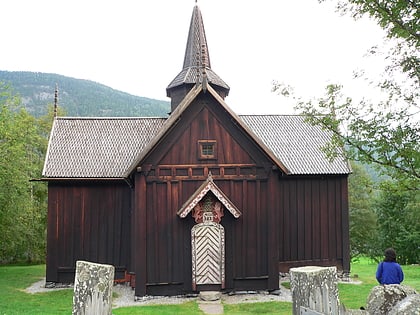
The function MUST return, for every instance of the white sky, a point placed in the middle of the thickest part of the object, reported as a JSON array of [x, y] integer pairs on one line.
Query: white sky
[[138, 46]]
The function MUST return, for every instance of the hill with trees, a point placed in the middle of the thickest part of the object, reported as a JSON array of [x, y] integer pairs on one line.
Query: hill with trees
[[79, 97]]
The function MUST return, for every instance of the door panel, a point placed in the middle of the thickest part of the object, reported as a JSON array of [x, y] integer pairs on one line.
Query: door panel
[[208, 254]]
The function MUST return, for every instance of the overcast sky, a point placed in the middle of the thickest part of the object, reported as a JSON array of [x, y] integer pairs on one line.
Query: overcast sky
[[137, 46]]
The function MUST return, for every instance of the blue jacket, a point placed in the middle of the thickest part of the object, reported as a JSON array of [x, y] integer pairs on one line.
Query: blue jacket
[[389, 272]]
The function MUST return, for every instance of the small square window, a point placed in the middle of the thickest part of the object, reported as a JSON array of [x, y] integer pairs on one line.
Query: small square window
[[207, 149]]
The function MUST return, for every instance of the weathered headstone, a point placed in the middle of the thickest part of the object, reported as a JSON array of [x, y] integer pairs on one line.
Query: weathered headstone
[[314, 289], [383, 298], [408, 306], [93, 289]]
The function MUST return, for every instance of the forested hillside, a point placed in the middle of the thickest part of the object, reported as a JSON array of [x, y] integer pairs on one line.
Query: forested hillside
[[79, 97]]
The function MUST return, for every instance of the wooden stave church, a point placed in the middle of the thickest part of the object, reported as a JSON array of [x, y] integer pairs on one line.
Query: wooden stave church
[[131, 191]]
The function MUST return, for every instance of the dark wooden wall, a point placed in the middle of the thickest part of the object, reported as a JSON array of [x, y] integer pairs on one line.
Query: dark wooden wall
[[87, 222], [314, 222], [286, 221], [172, 173]]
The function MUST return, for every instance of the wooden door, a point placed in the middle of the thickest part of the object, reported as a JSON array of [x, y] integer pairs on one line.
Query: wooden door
[[208, 254]]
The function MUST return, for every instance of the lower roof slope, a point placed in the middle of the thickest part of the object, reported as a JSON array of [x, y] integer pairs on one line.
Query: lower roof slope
[[297, 143], [96, 147], [106, 147]]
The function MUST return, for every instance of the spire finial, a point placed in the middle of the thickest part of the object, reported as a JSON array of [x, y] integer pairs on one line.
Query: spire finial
[[55, 100]]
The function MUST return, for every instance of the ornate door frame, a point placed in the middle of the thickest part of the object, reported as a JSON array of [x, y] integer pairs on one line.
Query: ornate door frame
[[208, 236]]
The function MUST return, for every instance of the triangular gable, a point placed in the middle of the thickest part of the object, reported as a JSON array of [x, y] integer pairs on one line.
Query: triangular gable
[[239, 122], [169, 123], [199, 194], [173, 119]]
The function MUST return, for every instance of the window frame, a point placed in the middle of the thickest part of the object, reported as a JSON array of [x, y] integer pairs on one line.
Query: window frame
[[202, 144]]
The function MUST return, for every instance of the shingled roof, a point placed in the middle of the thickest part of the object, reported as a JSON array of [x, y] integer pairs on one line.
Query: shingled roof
[[107, 147], [297, 143], [96, 147]]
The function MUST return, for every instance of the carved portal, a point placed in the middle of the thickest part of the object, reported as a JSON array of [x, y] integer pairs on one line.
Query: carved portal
[[208, 209], [208, 243]]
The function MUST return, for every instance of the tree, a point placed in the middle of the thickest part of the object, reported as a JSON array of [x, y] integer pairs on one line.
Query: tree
[[363, 220], [399, 221], [379, 134], [22, 204], [387, 132]]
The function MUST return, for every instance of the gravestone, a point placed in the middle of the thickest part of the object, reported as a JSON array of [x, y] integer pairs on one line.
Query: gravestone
[[408, 306], [383, 298], [314, 290], [93, 289]]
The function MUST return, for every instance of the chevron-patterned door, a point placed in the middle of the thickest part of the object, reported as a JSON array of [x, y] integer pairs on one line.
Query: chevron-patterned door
[[208, 254]]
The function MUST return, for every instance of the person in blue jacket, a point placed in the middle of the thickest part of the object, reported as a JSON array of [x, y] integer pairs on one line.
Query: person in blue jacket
[[389, 271]]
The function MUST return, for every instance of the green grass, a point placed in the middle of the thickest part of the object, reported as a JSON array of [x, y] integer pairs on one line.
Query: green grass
[[188, 308], [282, 308], [14, 301], [353, 296]]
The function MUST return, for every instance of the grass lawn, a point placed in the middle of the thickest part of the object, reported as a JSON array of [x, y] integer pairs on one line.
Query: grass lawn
[[14, 301], [353, 296]]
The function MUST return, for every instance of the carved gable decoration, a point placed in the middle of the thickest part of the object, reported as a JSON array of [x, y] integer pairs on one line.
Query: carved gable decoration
[[197, 201]]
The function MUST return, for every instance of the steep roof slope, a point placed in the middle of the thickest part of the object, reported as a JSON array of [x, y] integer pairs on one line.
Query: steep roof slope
[[297, 144], [96, 147], [112, 147]]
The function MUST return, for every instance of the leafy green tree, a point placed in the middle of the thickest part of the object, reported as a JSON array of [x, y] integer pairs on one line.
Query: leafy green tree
[[399, 221], [387, 132], [22, 203], [363, 220]]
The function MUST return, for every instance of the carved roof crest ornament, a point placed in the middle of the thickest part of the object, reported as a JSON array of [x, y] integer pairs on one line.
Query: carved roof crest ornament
[[198, 203]]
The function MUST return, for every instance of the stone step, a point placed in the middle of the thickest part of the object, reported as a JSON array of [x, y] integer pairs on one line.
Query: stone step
[[210, 303]]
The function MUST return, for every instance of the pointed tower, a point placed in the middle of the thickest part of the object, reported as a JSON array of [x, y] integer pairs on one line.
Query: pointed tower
[[196, 67]]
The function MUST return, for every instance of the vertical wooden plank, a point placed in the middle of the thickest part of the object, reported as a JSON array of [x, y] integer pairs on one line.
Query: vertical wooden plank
[[294, 245], [316, 220], [163, 222], [245, 236], [300, 219], [53, 234], [332, 209], [274, 196], [308, 220], [140, 216], [287, 222], [338, 219], [324, 219], [345, 224], [171, 215]]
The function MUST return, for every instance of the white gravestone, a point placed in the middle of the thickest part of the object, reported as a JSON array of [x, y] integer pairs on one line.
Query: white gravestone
[[93, 289], [314, 289]]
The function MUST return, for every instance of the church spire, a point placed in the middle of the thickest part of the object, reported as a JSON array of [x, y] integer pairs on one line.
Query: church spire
[[196, 67]]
